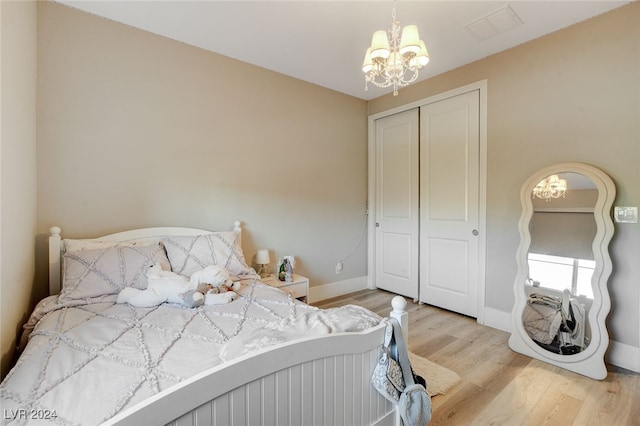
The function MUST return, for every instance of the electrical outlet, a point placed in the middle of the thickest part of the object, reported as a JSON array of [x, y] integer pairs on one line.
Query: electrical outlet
[[338, 268]]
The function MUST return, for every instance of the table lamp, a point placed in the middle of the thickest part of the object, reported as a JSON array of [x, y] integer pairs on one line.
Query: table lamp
[[263, 259]]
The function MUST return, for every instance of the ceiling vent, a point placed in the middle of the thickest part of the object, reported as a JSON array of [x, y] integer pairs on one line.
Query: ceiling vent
[[494, 23]]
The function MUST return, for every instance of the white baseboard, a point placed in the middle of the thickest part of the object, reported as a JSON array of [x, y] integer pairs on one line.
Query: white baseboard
[[497, 319], [338, 288], [623, 355]]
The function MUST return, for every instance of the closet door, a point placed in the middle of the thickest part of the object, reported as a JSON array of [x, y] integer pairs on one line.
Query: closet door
[[396, 209], [449, 203]]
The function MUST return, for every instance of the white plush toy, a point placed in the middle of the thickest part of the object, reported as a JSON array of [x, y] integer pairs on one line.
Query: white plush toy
[[216, 285], [163, 286]]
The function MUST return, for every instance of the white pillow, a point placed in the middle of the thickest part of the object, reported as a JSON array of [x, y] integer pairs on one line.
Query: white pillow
[[104, 271], [189, 254]]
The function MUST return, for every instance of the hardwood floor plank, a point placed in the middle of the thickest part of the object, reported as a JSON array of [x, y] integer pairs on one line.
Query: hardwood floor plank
[[518, 399], [462, 406], [499, 386], [609, 401], [554, 408]]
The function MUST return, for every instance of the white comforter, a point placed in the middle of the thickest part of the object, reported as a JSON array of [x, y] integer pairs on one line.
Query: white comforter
[[86, 362]]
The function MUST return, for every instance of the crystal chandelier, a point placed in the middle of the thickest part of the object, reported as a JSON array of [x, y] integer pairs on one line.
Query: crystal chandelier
[[550, 187], [393, 60]]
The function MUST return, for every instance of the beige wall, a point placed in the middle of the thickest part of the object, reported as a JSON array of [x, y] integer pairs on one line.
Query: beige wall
[[570, 96], [17, 170], [138, 130]]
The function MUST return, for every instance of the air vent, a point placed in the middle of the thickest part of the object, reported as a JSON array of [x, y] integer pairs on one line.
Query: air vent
[[494, 23]]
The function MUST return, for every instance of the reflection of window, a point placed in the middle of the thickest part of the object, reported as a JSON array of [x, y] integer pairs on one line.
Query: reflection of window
[[561, 273]]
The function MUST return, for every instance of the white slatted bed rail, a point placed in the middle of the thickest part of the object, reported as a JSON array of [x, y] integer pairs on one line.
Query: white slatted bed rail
[[319, 381]]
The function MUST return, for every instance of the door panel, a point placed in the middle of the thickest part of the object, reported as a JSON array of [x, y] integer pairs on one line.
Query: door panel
[[440, 275], [396, 209], [396, 256], [449, 203], [446, 164]]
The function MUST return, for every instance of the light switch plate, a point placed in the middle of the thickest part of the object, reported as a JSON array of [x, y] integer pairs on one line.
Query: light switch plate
[[625, 214]]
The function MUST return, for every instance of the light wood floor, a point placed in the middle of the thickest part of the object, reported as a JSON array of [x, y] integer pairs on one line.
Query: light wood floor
[[499, 386]]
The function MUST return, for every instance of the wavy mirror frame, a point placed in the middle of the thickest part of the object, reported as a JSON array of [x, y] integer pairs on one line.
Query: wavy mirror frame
[[589, 362]]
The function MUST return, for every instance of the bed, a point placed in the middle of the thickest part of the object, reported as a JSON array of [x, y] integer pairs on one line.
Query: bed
[[264, 358]]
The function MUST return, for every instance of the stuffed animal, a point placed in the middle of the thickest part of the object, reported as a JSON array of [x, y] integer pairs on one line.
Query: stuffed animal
[[162, 286], [211, 286], [192, 298], [216, 285]]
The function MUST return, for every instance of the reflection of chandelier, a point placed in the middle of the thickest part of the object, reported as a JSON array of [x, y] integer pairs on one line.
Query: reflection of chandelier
[[393, 60], [550, 187]]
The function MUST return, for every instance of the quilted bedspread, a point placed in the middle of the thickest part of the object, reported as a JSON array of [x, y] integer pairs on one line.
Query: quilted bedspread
[[86, 361]]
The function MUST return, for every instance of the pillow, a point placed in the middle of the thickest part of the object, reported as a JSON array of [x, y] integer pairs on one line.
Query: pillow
[[189, 254], [104, 271]]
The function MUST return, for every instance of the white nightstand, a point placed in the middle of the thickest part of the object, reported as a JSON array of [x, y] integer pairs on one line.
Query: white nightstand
[[298, 288]]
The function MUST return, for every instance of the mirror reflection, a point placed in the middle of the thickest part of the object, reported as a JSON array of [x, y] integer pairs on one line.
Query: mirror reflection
[[561, 263]]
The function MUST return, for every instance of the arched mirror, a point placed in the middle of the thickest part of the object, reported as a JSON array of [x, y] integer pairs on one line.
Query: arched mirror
[[563, 268]]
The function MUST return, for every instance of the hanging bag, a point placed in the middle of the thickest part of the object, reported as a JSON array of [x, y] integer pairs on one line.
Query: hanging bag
[[394, 379], [387, 375]]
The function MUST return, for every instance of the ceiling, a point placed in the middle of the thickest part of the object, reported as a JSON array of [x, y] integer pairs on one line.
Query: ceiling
[[323, 42]]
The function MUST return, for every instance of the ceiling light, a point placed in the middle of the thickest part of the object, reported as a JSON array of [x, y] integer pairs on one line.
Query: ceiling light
[[394, 59], [550, 187]]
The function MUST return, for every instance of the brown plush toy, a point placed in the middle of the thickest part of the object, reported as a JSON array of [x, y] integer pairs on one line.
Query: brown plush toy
[[204, 288]]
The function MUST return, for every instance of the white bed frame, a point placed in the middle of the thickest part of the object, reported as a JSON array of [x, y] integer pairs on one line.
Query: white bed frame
[[314, 381]]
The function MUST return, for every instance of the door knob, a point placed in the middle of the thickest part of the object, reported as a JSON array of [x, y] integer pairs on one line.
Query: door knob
[[475, 232], [377, 225]]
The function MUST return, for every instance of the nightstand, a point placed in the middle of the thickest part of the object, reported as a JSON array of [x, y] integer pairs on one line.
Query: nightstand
[[298, 288]]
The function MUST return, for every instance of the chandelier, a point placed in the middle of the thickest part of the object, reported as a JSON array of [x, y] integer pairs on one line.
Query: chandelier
[[394, 60], [550, 187]]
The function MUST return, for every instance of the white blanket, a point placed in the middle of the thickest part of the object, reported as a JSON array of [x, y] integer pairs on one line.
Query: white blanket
[[85, 362]]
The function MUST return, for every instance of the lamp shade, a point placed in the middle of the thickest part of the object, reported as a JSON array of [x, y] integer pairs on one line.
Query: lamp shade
[[380, 45], [410, 41], [367, 64], [262, 257], [422, 58]]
